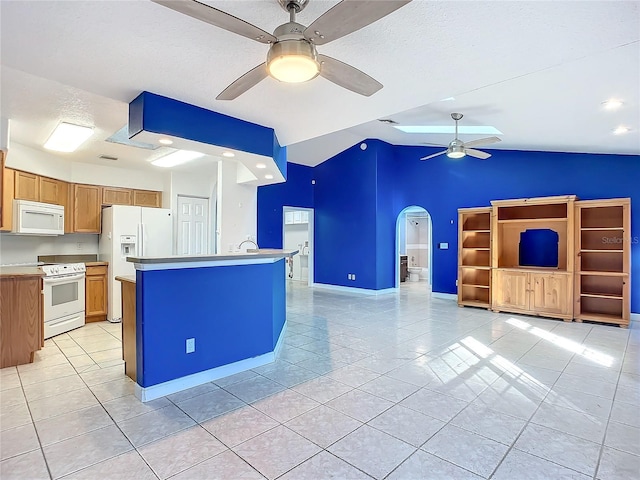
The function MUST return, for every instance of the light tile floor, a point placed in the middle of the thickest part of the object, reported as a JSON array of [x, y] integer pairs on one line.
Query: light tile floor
[[399, 386]]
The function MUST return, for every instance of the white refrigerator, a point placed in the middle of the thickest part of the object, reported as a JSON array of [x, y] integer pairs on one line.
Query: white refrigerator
[[131, 232]]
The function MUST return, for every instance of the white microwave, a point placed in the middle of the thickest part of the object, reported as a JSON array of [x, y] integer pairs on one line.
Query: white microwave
[[35, 218]]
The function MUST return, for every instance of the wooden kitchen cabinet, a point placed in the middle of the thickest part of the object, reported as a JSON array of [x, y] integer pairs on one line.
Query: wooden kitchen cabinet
[[147, 198], [117, 196], [96, 285], [52, 191], [86, 208], [27, 186], [21, 318], [7, 199]]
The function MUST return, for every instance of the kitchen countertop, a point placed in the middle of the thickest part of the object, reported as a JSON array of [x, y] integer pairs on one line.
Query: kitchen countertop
[[262, 253], [21, 272], [127, 278]]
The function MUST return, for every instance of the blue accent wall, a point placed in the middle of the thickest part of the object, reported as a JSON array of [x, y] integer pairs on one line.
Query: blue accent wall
[[272, 198], [234, 313], [163, 115], [359, 195]]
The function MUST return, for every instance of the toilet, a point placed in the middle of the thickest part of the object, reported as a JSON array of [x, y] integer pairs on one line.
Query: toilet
[[414, 274]]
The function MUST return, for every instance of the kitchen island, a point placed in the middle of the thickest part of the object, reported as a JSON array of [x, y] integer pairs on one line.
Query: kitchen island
[[200, 318]]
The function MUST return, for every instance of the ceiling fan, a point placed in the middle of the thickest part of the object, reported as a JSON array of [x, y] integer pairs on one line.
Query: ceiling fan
[[458, 149], [292, 56]]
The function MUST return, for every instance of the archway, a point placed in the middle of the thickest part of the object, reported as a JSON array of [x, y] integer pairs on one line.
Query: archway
[[413, 241]]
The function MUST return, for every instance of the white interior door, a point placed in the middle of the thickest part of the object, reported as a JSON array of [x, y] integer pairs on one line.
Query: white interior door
[[193, 225]]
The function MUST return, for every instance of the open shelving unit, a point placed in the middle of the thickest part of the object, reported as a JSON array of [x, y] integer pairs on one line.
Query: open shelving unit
[[474, 257], [603, 257]]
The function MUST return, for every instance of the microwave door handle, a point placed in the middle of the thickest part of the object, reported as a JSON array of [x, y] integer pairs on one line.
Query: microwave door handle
[[66, 279], [35, 212]]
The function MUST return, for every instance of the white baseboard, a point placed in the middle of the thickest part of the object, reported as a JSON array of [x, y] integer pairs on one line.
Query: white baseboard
[[635, 317], [146, 394], [445, 296], [364, 291]]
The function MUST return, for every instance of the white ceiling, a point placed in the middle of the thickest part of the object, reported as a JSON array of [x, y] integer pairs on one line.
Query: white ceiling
[[537, 71]]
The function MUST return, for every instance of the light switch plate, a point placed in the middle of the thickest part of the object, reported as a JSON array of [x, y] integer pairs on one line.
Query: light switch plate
[[443, 246], [191, 345]]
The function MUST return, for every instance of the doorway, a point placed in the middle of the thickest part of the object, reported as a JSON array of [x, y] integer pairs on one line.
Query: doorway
[[192, 226], [414, 248], [297, 234]]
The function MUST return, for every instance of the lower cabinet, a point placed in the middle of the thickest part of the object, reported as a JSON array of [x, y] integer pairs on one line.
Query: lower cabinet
[[96, 284], [532, 292]]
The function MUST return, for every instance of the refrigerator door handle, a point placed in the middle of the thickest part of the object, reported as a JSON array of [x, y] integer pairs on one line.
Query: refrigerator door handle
[[143, 239], [139, 242]]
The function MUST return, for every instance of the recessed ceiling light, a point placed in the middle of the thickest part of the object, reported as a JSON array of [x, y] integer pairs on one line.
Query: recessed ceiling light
[[176, 158], [464, 129], [165, 141], [260, 165], [621, 130], [268, 176], [67, 137], [612, 104], [228, 154]]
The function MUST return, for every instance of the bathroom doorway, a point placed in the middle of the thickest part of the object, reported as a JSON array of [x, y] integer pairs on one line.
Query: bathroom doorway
[[414, 248], [297, 234]]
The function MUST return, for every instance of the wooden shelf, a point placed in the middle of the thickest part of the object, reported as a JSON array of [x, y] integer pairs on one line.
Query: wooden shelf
[[603, 274], [476, 248], [476, 231], [533, 220], [477, 267], [474, 285], [598, 317], [604, 229], [600, 295], [601, 251], [474, 303]]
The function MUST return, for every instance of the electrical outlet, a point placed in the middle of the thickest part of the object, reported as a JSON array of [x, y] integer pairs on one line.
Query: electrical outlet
[[191, 345], [456, 283], [79, 245], [348, 276], [353, 276]]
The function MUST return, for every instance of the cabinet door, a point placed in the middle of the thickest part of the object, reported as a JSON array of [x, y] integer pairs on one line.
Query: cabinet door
[[147, 198], [27, 186], [52, 191], [550, 293], [117, 196], [86, 209], [95, 295], [7, 199], [511, 290]]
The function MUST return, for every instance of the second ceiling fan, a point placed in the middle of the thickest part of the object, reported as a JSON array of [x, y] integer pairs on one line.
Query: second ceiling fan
[[458, 149], [292, 53]]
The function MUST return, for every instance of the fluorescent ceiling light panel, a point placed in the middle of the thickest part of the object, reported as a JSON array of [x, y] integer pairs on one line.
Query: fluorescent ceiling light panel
[[463, 129], [177, 158], [67, 137]]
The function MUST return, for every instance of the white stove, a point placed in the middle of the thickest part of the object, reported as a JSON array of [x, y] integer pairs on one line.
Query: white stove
[[64, 297]]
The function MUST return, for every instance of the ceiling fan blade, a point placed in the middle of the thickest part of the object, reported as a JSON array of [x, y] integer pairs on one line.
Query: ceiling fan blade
[[347, 17], [482, 141], [218, 18], [434, 155], [477, 153], [347, 76], [244, 83]]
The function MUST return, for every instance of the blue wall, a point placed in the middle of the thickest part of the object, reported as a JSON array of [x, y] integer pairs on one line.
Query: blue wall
[[207, 304], [359, 195]]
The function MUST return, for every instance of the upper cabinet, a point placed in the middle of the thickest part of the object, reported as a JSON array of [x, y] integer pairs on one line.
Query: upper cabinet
[[27, 186], [147, 198], [117, 196], [86, 208], [53, 191]]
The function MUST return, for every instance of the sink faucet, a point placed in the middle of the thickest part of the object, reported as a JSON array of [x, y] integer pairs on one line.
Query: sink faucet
[[249, 241]]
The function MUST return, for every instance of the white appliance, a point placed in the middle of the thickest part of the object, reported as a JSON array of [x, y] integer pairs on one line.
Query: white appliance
[[64, 297], [35, 218], [131, 232]]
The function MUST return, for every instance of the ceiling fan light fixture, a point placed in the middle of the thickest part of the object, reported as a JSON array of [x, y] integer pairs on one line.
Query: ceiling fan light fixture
[[456, 151], [293, 61]]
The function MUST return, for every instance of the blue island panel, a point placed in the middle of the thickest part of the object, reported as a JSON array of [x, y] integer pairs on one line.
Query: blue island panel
[[233, 312]]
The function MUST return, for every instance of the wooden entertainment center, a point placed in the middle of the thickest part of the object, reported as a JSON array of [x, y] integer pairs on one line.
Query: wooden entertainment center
[[551, 256]]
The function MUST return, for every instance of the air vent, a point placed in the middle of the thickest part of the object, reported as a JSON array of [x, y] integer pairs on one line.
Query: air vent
[[108, 157], [388, 121]]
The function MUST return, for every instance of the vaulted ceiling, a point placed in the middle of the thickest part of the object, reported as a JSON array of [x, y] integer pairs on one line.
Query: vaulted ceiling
[[537, 71]]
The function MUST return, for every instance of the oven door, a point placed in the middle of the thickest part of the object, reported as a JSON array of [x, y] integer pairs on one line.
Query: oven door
[[63, 296]]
